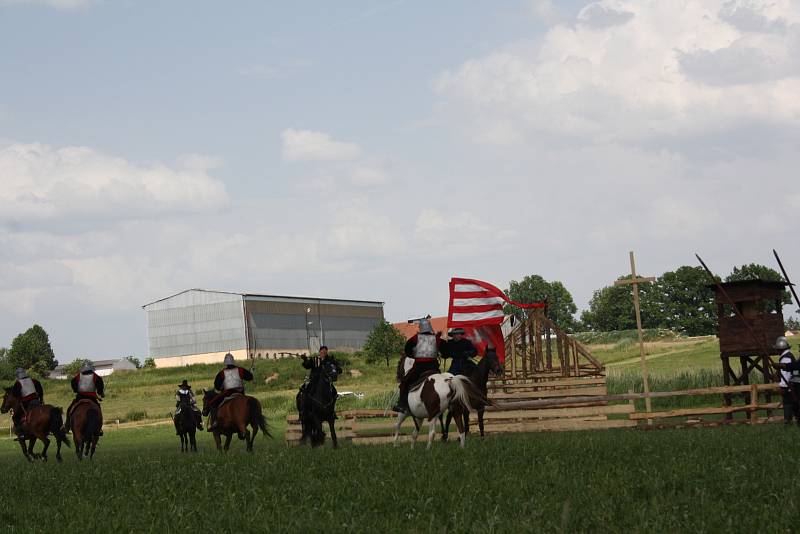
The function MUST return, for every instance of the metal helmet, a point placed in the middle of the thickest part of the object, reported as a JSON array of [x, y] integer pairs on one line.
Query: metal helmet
[[229, 359], [21, 373], [781, 343], [425, 326], [87, 367]]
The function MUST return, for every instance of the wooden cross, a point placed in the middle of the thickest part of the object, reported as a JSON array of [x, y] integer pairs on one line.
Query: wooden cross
[[635, 281]]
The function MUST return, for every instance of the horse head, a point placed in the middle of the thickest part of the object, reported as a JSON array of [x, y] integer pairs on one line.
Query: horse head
[[8, 401], [207, 396]]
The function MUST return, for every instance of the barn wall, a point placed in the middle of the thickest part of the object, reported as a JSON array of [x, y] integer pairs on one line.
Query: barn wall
[[196, 323]]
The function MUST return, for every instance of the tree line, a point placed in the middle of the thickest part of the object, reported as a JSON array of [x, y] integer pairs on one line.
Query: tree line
[[679, 300], [31, 350]]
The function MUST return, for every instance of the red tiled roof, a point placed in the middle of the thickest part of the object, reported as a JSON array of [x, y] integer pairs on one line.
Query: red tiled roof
[[439, 324]]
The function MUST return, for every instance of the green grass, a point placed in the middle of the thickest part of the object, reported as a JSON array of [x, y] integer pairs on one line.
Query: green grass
[[700, 480]]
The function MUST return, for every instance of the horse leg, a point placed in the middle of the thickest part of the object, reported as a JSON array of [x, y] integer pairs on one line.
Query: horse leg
[[431, 431], [25, 450], [333, 433], [466, 421], [462, 436], [58, 449], [193, 439], [44, 450], [480, 420], [31, 443], [228, 438], [247, 442], [446, 425], [94, 445], [415, 434], [400, 419], [254, 426], [218, 441]]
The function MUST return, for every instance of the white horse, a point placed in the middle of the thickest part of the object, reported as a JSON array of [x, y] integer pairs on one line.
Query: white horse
[[432, 396]]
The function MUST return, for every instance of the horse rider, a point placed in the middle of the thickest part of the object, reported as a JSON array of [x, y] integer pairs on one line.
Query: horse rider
[[186, 390], [87, 385], [790, 380], [30, 392], [228, 381], [316, 365], [461, 350], [424, 348]]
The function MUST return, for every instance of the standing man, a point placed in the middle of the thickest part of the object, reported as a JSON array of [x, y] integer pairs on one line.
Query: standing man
[[424, 348], [790, 381], [30, 392], [460, 349], [228, 381]]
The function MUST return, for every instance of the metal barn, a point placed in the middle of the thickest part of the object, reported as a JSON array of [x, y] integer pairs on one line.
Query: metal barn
[[201, 326]]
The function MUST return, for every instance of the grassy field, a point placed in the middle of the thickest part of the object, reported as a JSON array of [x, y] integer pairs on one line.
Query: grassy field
[[703, 480]]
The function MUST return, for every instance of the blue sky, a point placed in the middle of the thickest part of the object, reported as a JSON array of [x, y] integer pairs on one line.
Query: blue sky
[[373, 150]]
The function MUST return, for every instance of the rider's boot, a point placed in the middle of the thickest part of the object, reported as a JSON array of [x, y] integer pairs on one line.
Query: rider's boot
[[402, 402]]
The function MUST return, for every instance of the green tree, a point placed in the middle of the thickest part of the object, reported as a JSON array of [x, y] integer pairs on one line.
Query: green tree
[[755, 271], [135, 361], [73, 367], [533, 288], [384, 342], [149, 363], [6, 369], [31, 350], [686, 301], [791, 323], [611, 308]]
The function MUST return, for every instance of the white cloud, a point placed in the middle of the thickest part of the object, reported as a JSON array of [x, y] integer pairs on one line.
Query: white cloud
[[543, 10], [661, 69], [309, 145], [42, 183]]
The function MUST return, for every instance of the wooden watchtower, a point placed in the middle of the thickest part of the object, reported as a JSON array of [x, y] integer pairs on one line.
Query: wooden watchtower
[[761, 304]]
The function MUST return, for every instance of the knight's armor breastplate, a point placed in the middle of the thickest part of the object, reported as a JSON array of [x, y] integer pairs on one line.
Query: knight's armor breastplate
[[426, 346], [232, 379], [27, 387], [86, 384]]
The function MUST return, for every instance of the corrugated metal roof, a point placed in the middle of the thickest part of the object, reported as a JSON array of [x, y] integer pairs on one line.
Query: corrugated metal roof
[[263, 296]]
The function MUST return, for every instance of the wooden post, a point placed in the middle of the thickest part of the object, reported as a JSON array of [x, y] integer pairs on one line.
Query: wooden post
[[635, 281]]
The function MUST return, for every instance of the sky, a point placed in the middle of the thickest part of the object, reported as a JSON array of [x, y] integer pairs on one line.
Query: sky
[[374, 150]]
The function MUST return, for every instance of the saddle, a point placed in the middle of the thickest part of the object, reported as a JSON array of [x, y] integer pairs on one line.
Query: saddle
[[229, 398], [422, 378]]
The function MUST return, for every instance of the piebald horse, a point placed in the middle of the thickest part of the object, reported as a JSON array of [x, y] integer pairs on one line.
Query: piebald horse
[[434, 394]]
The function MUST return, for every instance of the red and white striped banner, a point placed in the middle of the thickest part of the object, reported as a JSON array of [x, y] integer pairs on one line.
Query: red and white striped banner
[[476, 303]]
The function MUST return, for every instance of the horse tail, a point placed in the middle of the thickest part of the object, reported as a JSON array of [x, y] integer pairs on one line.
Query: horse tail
[[467, 393], [57, 426], [257, 415], [91, 424]]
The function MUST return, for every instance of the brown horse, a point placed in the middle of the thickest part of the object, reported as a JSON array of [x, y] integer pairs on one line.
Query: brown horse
[[85, 422], [39, 422], [236, 413]]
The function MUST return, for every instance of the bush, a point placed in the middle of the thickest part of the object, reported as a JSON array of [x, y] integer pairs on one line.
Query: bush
[[149, 363], [136, 415]]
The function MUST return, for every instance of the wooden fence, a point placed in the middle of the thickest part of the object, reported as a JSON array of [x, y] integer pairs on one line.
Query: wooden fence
[[569, 404]]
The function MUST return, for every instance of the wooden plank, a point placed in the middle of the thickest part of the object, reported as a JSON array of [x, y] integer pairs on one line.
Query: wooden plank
[[558, 412], [687, 412], [382, 440], [565, 383], [561, 425], [570, 392]]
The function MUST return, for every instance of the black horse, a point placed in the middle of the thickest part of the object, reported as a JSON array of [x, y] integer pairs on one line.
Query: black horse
[[186, 422], [478, 375], [316, 403]]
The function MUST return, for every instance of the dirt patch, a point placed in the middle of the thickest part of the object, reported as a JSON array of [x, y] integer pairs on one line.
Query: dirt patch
[[355, 373]]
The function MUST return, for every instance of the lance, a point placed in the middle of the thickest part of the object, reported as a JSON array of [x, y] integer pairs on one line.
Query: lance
[[786, 277]]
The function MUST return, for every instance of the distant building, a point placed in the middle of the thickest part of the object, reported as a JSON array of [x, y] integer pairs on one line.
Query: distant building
[[101, 367], [201, 326]]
